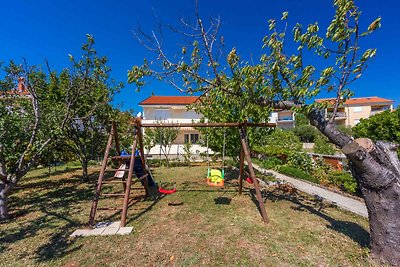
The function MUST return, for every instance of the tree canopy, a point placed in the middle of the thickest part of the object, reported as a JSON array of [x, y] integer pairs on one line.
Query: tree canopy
[[382, 126]]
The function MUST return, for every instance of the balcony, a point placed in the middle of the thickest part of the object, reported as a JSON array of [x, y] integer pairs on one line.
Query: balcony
[[377, 111], [286, 119], [339, 115], [170, 120]]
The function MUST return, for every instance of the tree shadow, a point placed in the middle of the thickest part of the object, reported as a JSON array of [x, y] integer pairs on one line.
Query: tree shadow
[[231, 176], [145, 210], [49, 207], [222, 201], [315, 206], [53, 173]]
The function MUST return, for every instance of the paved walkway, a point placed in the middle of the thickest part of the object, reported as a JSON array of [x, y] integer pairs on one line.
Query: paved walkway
[[339, 200]]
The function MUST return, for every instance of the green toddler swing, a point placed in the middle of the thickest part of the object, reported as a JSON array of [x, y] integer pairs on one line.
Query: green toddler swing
[[216, 177]]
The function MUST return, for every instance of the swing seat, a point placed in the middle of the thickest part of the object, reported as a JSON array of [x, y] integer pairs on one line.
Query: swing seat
[[215, 178], [166, 191], [249, 180]]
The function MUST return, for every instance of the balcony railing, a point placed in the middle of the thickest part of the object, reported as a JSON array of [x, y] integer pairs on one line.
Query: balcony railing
[[285, 119], [373, 112], [339, 115]]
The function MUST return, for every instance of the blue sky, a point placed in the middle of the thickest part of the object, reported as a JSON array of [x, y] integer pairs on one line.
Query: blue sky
[[41, 29]]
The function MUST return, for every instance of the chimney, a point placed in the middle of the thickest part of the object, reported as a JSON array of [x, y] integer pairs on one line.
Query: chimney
[[21, 84]]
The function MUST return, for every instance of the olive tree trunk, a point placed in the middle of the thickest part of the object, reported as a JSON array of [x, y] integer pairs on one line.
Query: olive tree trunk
[[376, 168], [85, 163], [6, 185], [3, 203]]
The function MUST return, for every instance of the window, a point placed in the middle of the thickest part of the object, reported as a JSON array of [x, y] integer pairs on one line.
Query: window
[[161, 114], [357, 109], [191, 114], [192, 138]]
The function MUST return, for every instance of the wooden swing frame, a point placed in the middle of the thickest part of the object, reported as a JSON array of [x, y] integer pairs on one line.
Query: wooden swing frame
[[138, 142]]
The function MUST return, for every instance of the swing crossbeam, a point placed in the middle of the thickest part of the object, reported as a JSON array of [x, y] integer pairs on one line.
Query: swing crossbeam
[[209, 124]]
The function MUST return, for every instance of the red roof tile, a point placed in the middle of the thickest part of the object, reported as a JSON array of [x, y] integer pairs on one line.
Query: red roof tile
[[169, 100], [358, 100]]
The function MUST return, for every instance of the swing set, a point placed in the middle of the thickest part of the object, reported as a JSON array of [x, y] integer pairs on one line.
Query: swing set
[[135, 164]]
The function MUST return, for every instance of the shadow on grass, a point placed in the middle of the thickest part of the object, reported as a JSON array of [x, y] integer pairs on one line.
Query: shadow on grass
[[315, 206], [147, 209], [45, 173], [47, 211], [231, 175], [222, 201]]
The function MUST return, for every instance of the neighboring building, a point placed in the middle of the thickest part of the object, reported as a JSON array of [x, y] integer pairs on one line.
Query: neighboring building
[[20, 91], [175, 109], [283, 119], [354, 109]]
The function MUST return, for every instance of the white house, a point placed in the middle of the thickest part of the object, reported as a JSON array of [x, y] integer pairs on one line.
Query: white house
[[175, 109]]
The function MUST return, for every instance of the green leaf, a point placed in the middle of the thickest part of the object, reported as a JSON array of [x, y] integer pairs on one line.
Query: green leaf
[[376, 24]]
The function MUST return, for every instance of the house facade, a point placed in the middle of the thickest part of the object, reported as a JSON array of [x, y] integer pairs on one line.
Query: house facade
[[353, 110], [283, 119], [168, 109]]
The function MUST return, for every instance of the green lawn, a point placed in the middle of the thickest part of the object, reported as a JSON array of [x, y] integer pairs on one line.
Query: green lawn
[[214, 227]]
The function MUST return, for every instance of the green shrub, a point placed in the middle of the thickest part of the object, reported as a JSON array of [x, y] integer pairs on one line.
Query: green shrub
[[93, 163], [301, 161], [280, 144], [344, 181], [306, 133], [321, 175], [297, 173], [271, 163], [323, 146]]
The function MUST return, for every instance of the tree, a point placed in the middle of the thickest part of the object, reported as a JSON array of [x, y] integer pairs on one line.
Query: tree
[[281, 144], [31, 118], [125, 127], [90, 116], [283, 79], [35, 111], [301, 119], [306, 133], [187, 153], [163, 137], [383, 126]]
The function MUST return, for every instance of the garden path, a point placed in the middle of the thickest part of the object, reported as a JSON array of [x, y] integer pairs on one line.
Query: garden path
[[339, 200]]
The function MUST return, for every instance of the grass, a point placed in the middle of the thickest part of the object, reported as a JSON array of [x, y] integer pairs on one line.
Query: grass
[[213, 227]]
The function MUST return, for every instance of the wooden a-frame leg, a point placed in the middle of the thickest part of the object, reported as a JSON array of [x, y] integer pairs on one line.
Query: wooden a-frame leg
[[128, 184], [101, 176], [241, 170], [253, 175]]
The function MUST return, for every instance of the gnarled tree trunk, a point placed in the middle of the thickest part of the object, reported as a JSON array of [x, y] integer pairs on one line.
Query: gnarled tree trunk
[[3, 202], [6, 185], [376, 168], [85, 163]]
